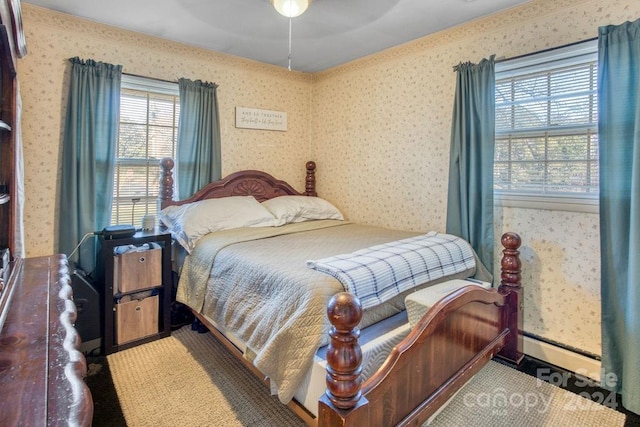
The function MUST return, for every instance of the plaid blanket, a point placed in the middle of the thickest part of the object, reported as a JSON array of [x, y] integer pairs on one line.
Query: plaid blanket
[[378, 273]]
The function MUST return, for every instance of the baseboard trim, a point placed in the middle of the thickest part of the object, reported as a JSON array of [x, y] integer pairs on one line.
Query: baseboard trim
[[563, 358]]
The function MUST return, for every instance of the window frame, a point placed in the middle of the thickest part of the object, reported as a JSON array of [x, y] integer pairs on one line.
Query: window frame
[[153, 86], [553, 58]]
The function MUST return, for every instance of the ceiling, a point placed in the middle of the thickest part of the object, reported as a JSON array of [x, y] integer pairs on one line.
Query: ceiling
[[329, 33]]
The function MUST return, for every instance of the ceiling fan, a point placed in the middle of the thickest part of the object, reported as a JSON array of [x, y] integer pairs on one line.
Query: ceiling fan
[[291, 8]]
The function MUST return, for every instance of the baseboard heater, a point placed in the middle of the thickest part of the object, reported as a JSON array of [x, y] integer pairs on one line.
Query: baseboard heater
[[574, 360]]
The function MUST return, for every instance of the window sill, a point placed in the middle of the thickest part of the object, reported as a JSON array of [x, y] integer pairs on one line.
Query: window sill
[[554, 203]]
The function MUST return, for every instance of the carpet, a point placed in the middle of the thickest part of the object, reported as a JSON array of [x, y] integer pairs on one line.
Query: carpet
[[499, 396], [189, 379]]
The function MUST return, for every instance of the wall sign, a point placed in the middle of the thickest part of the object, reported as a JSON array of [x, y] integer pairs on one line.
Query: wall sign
[[253, 118]]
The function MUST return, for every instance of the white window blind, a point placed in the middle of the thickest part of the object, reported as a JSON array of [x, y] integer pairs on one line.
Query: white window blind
[[149, 111], [547, 127]]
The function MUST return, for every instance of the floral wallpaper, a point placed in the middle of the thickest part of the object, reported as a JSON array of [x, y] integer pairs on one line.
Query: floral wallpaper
[[377, 127], [54, 37], [381, 133]]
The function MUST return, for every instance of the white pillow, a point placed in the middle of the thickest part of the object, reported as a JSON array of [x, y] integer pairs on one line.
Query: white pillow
[[287, 209], [188, 223]]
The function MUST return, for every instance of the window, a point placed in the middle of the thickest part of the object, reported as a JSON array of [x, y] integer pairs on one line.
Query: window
[[149, 111], [546, 152]]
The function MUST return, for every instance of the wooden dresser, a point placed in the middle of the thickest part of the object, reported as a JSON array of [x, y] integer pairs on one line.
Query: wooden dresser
[[41, 369]]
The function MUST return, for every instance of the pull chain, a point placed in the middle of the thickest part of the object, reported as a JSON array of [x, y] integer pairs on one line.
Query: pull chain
[[289, 57]]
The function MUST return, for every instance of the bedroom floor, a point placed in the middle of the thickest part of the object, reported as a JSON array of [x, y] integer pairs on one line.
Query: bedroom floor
[[107, 410], [531, 366]]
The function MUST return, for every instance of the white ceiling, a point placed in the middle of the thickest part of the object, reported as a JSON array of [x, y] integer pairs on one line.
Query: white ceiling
[[329, 33]]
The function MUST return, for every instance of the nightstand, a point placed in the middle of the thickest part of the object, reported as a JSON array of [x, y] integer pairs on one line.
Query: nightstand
[[136, 274]]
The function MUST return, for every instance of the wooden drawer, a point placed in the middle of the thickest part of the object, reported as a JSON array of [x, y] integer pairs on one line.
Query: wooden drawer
[[137, 270], [136, 319]]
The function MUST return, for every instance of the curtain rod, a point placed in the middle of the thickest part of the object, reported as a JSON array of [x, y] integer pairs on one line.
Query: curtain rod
[[151, 78], [545, 50]]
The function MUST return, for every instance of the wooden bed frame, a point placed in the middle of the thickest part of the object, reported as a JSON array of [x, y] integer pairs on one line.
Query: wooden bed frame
[[450, 344]]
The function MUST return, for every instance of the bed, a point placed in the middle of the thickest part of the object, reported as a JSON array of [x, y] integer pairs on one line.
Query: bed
[[281, 313]]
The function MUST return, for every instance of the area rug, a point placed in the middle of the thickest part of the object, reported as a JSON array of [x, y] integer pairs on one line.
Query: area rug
[[502, 396], [189, 379]]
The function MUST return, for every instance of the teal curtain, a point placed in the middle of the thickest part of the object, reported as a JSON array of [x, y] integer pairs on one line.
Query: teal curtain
[[470, 197], [88, 155], [198, 159], [619, 134]]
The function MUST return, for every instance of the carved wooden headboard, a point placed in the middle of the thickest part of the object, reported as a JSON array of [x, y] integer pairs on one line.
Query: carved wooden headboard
[[255, 183]]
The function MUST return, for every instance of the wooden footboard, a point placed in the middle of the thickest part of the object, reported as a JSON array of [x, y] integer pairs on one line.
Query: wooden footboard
[[452, 342]]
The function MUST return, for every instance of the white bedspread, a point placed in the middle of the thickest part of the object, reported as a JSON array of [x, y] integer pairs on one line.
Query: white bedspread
[[262, 291]]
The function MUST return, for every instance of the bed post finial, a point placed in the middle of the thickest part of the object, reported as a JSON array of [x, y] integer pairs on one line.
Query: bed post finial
[[510, 263], [344, 356], [165, 193], [310, 181], [343, 403], [510, 286]]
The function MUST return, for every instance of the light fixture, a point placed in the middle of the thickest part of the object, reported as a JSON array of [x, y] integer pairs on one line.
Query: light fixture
[[291, 8]]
